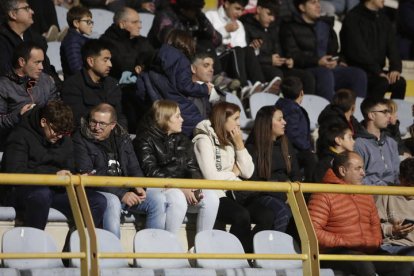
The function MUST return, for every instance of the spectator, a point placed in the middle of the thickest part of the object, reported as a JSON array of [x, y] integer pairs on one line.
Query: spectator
[[312, 43], [405, 28], [15, 30], [262, 32], [41, 144], [378, 150], [23, 87], [112, 5], [349, 223], [396, 214], [221, 155], [367, 40], [92, 85], [274, 160], [341, 110], [80, 25], [393, 129], [44, 16], [333, 140], [165, 152], [102, 147], [298, 124]]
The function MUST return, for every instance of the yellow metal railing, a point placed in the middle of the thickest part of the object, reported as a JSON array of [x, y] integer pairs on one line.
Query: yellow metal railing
[[310, 255]]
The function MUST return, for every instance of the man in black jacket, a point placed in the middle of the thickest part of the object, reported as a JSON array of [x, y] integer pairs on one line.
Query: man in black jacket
[[92, 85], [102, 147], [40, 144], [367, 40]]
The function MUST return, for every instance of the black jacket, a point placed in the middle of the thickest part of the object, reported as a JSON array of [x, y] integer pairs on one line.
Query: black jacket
[[300, 40], [367, 39], [326, 157], [81, 94], [28, 151], [270, 36], [125, 51], [162, 155], [91, 155]]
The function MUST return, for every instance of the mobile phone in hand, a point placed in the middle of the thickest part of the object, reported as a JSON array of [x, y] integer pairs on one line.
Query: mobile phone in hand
[[198, 194], [334, 58]]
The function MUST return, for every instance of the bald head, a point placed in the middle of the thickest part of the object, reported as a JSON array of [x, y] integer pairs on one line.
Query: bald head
[[129, 20], [349, 166]]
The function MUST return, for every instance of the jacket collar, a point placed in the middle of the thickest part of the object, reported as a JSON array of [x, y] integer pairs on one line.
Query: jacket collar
[[331, 178]]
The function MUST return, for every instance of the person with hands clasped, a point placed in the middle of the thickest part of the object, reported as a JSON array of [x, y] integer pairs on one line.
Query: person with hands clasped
[[221, 155], [102, 147]]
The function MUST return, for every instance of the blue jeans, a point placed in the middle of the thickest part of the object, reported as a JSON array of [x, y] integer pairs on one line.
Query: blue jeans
[[330, 80], [280, 209], [154, 207]]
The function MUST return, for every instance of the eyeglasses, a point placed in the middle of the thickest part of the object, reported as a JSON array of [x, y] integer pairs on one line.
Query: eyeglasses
[[87, 21], [385, 111], [26, 8], [55, 133], [102, 125]]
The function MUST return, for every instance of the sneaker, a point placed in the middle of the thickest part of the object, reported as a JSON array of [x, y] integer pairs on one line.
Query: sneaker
[[52, 33], [273, 86]]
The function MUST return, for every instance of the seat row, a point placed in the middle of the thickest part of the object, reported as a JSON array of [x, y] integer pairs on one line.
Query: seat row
[[30, 240]]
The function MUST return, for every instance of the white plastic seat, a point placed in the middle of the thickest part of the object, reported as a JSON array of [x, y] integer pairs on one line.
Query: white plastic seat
[[358, 114], [102, 20], [314, 104], [53, 52], [245, 123], [61, 16], [147, 19], [258, 100], [158, 241], [218, 241], [29, 240], [404, 115], [107, 242]]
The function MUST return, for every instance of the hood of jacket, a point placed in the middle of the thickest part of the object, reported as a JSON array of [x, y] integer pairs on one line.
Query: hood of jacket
[[204, 128]]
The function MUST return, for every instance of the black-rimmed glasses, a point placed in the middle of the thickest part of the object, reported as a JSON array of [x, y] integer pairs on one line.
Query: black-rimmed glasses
[[385, 111], [101, 125], [26, 8], [87, 21]]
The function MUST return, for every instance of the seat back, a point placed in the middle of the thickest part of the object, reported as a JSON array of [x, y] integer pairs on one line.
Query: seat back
[[314, 104], [103, 19], [275, 242], [405, 115], [29, 240], [107, 242], [258, 100], [147, 19], [245, 123], [218, 241], [158, 241], [358, 114], [61, 16], [53, 52]]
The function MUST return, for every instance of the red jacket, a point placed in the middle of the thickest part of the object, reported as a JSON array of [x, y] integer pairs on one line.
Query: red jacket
[[345, 220]]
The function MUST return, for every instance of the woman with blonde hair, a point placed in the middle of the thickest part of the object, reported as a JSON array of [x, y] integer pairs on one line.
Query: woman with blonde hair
[[164, 151]]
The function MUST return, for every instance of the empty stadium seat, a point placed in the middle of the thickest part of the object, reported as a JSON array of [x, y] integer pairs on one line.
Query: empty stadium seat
[[245, 123], [404, 115], [218, 241], [103, 19], [61, 16], [358, 114], [147, 19], [53, 52], [258, 100], [314, 104], [9, 272]]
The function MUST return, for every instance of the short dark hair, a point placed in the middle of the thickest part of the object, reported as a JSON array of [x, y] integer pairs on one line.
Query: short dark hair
[[407, 171], [23, 50], [271, 5], [93, 48], [368, 103], [327, 136], [202, 56], [344, 99], [291, 87], [240, 2], [297, 3], [9, 5], [77, 13], [58, 114], [105, 108], [341, 160]]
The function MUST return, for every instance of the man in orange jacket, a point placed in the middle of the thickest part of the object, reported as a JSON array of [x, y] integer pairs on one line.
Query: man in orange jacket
[[349, 223]]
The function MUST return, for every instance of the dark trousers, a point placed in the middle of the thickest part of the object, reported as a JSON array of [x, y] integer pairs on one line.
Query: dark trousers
[[378, 86], [242, 64], [307, 78], [367, 268], [330, 80], [307, 161], [240, 218], [281, 211], [35, 202]]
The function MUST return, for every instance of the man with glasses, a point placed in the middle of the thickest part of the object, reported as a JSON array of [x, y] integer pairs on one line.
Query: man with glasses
[[41, 144], [92, 85], [102, 147], [23, 87], [16, 30], [379, 151]]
